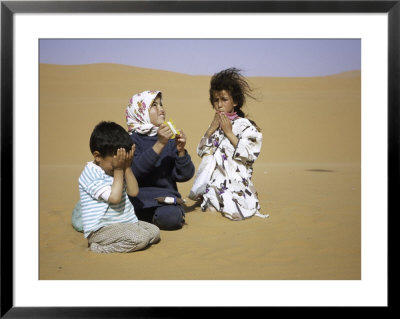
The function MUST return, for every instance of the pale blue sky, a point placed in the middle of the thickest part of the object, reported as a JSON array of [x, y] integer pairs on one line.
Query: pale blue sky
[[255, 57]]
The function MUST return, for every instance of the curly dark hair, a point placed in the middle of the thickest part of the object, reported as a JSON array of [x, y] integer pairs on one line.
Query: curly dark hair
[[232, 81]]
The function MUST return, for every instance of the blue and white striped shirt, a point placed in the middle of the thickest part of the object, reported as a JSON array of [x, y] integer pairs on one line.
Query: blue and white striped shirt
[[96, 212]]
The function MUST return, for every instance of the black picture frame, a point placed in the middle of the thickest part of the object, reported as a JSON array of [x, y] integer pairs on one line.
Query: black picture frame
[[9, 8]]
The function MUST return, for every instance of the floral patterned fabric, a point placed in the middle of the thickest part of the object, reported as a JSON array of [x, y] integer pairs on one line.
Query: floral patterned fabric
[[230, 189], [137, 113]]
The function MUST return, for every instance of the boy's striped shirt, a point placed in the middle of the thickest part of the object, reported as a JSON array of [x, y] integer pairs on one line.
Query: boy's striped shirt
[[96, 212]]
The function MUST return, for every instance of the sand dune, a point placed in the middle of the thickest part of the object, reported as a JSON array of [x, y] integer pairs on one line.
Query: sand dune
[[308, 177]]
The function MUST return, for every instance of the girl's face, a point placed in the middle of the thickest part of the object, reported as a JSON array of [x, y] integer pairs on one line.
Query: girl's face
[[157, 112], [223, 101]]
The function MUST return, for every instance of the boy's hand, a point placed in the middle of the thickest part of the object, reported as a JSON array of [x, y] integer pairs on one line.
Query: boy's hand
[[129, 156], [132, 187], [180, 143], [119, 159]]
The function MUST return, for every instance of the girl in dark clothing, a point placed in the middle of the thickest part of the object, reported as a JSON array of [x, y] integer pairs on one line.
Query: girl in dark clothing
[[160, 162]]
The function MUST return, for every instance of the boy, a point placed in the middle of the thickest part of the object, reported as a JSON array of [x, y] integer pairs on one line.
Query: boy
[[108, 217]]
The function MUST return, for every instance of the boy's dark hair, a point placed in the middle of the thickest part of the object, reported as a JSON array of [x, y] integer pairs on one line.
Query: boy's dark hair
[[108, 137], [233, 82]]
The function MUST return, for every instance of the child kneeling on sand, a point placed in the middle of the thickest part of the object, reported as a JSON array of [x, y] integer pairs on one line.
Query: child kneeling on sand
[[229, 148], [108, 217]]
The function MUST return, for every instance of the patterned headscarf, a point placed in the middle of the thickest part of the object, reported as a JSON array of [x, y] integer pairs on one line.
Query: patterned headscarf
[[137, 113]]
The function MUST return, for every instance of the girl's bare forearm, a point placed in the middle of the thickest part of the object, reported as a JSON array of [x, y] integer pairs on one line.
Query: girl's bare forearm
[[158, 147], [232, 138]]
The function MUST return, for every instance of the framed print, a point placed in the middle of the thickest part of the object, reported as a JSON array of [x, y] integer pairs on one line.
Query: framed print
[[328, 172]]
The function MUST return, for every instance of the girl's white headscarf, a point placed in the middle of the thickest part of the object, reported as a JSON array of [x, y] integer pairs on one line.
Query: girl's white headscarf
[[137, 113]]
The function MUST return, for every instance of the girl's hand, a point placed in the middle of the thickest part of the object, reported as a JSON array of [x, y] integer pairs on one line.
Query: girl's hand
[[129, 156], [180, 143], [214, 125], [164, 134], [118, 161], [225, 123], [226, 126]]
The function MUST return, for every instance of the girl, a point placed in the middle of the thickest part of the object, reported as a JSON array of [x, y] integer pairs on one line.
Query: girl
[[160, 162], [229, 148]]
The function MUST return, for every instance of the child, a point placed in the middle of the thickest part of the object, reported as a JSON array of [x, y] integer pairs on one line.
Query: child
[[108, 217], [229, 148], [161, 161]]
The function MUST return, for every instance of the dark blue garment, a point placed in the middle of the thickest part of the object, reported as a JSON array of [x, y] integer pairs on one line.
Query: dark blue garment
[[157, 175], [167, 217]]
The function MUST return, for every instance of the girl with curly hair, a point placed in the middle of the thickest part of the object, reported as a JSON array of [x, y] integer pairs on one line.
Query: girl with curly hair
[[228, 149]]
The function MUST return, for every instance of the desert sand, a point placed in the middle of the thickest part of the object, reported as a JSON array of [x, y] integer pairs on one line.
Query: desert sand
[[308, 178]]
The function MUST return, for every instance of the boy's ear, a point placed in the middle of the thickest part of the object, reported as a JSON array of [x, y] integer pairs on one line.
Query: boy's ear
[[97, 156]]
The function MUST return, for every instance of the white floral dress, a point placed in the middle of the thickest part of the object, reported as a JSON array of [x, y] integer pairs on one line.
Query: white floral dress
[[230, 189]]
